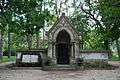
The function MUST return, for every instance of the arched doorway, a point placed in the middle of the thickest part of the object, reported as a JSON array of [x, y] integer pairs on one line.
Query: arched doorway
[[63, 47]]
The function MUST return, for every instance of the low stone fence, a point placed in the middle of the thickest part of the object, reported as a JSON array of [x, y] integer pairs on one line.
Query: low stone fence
[[93, 59], [94, 55]]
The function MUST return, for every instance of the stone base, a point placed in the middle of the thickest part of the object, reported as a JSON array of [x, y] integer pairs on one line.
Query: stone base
[[54, 61], [60, 67], [73, 61]]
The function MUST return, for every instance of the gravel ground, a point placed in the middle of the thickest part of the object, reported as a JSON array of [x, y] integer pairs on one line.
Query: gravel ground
[[7, 74]]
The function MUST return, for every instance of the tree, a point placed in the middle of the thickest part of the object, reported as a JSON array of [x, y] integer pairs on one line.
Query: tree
[[1, 45], [81, 25], [5, 19], [2, 3], [27, 17], [93, 14], [110, 12]]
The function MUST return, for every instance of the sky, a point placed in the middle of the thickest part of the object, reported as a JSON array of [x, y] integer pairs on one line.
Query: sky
[[69, 5]]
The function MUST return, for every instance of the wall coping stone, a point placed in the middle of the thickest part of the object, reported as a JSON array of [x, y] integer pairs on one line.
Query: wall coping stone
[[94, 51], [32, 50]]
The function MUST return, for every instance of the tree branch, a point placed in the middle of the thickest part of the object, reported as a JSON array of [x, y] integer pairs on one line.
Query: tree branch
[[91, 16]]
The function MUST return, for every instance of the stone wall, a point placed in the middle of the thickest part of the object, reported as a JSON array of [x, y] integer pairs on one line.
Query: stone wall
[[94, 55]]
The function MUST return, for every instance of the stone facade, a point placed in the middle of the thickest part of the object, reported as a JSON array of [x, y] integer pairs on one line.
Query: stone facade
[[63, 24]]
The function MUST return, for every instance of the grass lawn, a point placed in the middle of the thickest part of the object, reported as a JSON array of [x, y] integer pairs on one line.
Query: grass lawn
[[114, 59], [6, 59]]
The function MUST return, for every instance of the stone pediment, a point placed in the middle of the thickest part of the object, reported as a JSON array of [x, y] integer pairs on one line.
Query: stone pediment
[[63, 23]]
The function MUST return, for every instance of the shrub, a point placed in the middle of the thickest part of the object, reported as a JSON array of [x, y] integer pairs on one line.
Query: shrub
[[79, 61]]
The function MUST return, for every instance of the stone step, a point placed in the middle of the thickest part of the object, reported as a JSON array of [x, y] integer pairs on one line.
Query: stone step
[[60, 67]]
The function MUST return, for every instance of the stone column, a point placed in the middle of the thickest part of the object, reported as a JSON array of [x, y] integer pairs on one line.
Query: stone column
[[72, 53], [73, 50], [50, 49], [77, 50], [54, 53]]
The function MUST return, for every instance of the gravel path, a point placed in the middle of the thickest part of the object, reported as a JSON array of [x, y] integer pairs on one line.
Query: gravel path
[[61, 75]]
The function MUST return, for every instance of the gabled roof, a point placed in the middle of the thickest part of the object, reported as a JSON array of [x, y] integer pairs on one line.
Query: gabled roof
[[59, 19]]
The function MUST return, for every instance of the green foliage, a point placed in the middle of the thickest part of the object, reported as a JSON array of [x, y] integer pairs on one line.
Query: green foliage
[[79, 61], [83, 20], [114, 57], [22, 17], [110, 12], [94, 41]]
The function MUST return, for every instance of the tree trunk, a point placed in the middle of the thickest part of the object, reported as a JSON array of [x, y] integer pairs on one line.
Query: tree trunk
[[107, 47], [29, 41], [106, 44], [37, 40], [43, 37], [1, 45], [10, 36], [118, 48]]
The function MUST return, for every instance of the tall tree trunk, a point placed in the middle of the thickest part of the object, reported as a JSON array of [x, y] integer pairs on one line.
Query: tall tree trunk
[[43, 37], [29, 41], [10, 36], [1, 45], [106, 44], [37, 40], [107, 47], [118, 48]]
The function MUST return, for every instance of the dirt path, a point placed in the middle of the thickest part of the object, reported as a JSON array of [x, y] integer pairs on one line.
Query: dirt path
[[61, 75], [115, 63]]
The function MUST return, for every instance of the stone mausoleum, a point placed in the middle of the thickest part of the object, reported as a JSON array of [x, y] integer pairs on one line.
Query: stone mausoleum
[[63, 48], [64, 42]]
